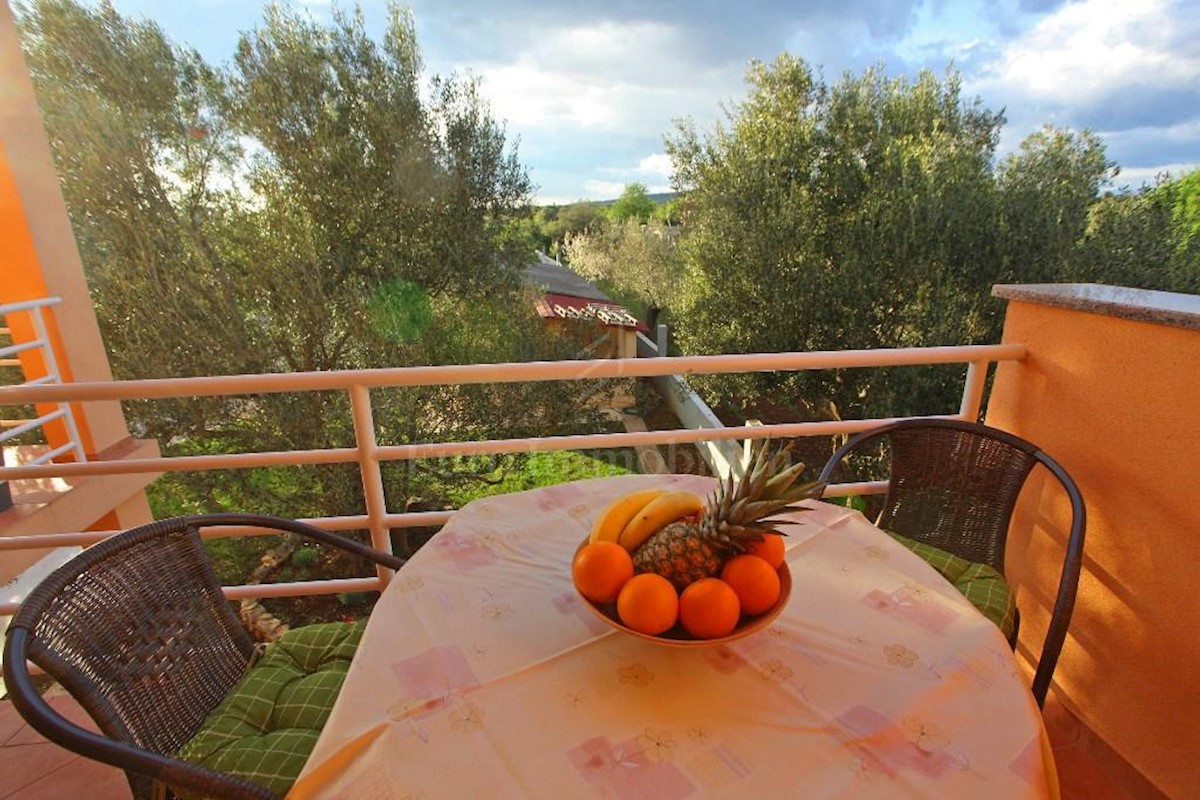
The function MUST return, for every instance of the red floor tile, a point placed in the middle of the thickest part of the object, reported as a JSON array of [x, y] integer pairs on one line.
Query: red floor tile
[[10, 722], [81, 778], [33, 768]]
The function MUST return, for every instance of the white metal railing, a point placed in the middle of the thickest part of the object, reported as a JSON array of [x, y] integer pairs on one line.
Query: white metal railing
[[12, 428], [368, 453]]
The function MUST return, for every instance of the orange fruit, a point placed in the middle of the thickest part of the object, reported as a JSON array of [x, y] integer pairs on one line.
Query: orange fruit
[[709, 608], [648, 603], [600, 570], [754, 580], [770, 549]]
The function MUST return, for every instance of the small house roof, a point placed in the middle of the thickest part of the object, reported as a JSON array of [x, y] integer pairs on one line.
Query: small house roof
[[551, 277], [609, 314], [568, 295]]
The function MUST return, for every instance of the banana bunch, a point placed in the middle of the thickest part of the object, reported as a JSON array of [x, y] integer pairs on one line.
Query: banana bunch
[[633, 518]]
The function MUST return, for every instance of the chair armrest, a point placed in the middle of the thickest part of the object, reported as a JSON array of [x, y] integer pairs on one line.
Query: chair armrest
[[303, 529], [1068, 583], [840, 454]]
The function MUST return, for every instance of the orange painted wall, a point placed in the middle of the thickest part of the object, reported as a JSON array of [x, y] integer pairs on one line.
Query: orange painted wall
[[22, 280], [1117, 402]]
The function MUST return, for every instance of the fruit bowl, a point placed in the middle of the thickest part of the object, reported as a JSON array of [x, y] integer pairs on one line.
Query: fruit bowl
[[678, 637]]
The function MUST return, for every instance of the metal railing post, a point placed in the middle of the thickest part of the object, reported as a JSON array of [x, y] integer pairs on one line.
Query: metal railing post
[[372, 475], [972, 399]]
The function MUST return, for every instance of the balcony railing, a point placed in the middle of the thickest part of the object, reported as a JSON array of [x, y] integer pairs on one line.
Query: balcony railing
[[368, 453], [10, 429]]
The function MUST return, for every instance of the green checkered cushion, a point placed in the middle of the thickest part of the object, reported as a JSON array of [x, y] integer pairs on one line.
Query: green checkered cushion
[[983, 585], [264, 730]]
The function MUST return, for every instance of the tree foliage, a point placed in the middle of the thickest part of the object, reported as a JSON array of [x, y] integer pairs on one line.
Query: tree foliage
[[558, 223], [1047, 189], [634, 203], [310, 207], [844, 216], [872, 213], [1146, 239], [670, 212], [1185, 208], [138, 129], [640, 259]]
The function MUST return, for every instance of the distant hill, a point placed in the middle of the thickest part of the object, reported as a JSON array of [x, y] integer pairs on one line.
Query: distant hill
[[658, 197]]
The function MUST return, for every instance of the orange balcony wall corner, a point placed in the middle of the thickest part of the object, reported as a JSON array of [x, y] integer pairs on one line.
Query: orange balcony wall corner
[[1109, 388]]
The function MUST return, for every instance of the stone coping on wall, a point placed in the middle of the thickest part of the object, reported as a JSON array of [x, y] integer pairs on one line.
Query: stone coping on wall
[[1143, 305]]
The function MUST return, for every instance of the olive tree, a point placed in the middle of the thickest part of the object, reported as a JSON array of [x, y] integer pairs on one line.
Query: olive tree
[[856, 215], [311, 207]]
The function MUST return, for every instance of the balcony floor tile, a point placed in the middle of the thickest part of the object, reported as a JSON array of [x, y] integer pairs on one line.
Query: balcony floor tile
[[32, 768]]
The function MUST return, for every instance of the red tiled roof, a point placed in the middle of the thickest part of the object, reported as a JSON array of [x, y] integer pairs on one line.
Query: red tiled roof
[[564, 306]]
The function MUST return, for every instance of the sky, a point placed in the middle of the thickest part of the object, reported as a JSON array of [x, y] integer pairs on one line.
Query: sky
[[590, 89]]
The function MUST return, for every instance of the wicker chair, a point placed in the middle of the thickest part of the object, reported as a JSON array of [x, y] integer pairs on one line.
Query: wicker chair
[[953, 485], [137, 630]]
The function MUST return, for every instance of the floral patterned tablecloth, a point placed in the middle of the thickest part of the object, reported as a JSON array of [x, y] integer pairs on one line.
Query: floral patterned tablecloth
[[482, 674]]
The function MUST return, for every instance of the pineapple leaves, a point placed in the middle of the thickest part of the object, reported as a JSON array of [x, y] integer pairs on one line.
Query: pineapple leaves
[[742, 509]]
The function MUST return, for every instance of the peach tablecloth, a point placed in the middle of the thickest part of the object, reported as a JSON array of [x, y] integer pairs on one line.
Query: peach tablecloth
[[482, 674]]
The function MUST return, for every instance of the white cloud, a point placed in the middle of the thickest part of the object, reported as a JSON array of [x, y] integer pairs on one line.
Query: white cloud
[[627, 78], [1136, 177], [1128, 70], [525, 95], [1184, 133], [1097, 48], [578, 77], [656, 164], [617, 46]]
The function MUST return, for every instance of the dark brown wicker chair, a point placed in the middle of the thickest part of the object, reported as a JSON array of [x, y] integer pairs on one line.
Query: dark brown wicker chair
[[137, 630], [953, 485]]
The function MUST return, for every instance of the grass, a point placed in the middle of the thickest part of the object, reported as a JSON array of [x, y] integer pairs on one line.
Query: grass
[[234, 557], [547, 469]]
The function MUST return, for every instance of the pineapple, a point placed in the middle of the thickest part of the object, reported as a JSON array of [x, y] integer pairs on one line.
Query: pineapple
[[734, 516]]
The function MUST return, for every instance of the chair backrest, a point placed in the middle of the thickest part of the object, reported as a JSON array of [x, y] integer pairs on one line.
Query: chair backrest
[[955, 488], [954, 484], [137, 630]]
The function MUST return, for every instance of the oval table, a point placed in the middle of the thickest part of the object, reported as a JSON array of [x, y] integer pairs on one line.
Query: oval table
[[482, 674]]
